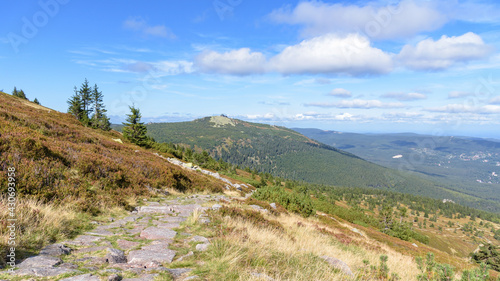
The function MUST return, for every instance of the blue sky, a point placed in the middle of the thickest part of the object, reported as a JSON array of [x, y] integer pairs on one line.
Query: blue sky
[[381, 66]]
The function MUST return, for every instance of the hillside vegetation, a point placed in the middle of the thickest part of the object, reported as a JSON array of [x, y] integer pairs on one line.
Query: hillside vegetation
[[469, 165], [285, 153], [75, 169]]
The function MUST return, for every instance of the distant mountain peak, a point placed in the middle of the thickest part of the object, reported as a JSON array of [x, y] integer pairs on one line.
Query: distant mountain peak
[[222, 121]]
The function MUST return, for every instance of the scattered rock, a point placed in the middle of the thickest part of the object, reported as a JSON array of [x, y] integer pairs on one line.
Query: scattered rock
[[185, 256], [202, 247], [414, 245], [216, 207], [336, 263], [144, 256], [115, 256], [199, 239], [273, 205], [355, 230], [191, 278], [55, 250]]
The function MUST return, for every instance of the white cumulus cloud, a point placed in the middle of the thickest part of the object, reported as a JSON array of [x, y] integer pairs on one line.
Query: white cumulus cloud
[[376, 21], [332, 54], [239, 62], [444, 53], [339, 92]]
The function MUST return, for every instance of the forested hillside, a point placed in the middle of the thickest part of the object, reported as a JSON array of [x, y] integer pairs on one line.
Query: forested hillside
[[470, 165], [285, 153]]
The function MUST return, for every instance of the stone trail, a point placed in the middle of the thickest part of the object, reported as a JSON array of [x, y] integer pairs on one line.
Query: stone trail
[[136, 245]]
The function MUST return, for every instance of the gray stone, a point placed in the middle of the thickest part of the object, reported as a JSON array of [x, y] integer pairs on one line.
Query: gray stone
[[198, 238], [90, 249], [125, 244], [191, 278], [84, 277], [40, 261], [336, 263], [43, 271], [55, 250], [273, 205], [185, 256], [146, 277], [262, 276], [100, 231], [202, 247], [177, 272], [143, 257], [259, 208], [414, 245], [169, 225], [114, 277], [85, 240], [115, 256], [155, 209], [155, 233], [216, 207]]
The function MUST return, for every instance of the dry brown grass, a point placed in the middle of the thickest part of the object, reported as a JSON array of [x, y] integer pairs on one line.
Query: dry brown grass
[[294, 255], [38, 224]]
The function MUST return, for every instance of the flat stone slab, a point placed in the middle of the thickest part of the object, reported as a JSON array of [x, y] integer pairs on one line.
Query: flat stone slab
[[85, 240], [169, 225], [90, 249], [84, 277], [155, 233], [40, 261], [336, 263], [151, 253], [55, 250], [101, 231], [125, 244], [155, 209], [146, 277], [43, 271], [173, 219], [177, 272]]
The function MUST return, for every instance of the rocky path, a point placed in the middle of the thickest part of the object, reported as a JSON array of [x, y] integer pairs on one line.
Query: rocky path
[[136, 247]]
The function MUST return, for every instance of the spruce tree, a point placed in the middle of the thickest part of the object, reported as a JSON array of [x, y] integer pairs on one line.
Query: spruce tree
[[76, 106], [134, 129], [19, 94], [99, 118], [86, 100], [36, 101]]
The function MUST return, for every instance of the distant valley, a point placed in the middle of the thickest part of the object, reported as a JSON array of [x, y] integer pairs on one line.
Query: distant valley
[[469, 165]]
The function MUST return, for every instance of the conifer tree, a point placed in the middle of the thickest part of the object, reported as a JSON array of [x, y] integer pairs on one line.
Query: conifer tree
[[36, 101], [19, 93], [134, 129], [99, 118], [86, 100], [76, 105]]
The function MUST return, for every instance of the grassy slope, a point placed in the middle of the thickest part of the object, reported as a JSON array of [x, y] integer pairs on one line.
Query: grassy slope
[[286, 153], [62, 163]]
